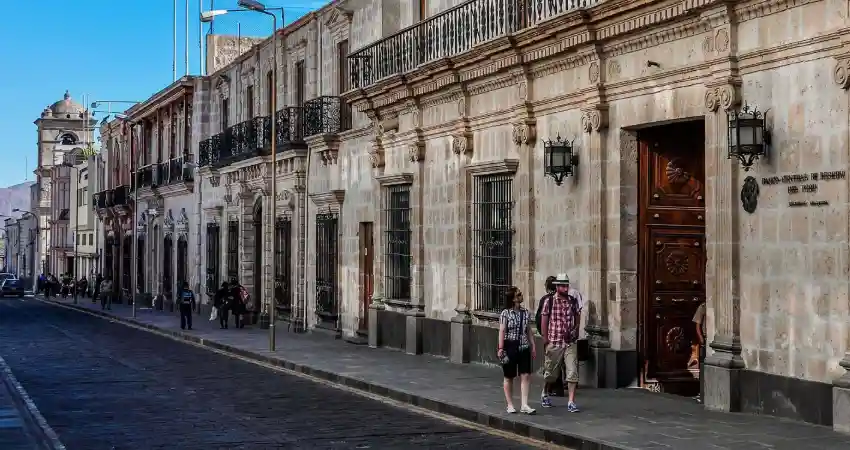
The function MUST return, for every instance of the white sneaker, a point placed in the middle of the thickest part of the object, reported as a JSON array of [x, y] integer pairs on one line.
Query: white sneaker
[[511, 410], [527, 410]]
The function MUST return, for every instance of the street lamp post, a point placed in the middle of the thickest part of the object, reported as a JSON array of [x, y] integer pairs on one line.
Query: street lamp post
[[76, 230], [255, 6]]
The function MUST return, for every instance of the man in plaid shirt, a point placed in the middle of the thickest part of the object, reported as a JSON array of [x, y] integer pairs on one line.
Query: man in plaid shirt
[[561, 321]]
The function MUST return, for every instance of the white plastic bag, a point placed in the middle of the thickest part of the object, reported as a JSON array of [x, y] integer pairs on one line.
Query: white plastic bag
[[214, 314]]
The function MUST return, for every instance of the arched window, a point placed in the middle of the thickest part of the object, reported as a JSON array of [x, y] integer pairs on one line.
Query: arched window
[[68, 139]]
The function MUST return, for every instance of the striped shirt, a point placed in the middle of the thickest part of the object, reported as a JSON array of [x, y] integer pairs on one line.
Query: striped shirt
[[516, 325]]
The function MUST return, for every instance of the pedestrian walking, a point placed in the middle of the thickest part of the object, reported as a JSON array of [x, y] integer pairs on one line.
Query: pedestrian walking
[[220, 302], [699, 323], [561, 322], [106, 293], [516, 349], [236, 303], [187, 304], [555, 389]]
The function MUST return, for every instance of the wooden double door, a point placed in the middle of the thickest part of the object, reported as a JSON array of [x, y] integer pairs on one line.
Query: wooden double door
[[672, 252]]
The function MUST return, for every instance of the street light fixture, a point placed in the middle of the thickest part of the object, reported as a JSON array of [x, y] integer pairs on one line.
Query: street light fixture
[[208, 16], [252, 5]]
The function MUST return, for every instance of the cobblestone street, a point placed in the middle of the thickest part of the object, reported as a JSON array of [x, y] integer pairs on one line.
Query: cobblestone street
[[102, 385]]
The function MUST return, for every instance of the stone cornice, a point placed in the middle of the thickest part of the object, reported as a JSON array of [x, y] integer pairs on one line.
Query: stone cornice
[[331, 200], [492, 167], [395, 179], [614, 27]]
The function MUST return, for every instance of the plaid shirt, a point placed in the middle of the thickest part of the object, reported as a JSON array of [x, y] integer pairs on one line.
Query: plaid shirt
[[516, 325], [563, 320]]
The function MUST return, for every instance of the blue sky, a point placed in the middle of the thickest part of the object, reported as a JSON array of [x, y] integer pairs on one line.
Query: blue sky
[[101, 49]]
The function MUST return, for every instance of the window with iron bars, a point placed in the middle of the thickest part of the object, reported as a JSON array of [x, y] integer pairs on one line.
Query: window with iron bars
[[397, 237], [492, 239], [126, 251], [213, 255], [167, 253], [327, 307], [233, 250], [283, 264]]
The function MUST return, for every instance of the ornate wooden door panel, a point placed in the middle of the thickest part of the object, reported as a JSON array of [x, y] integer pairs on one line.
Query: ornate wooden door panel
[[672, 248]]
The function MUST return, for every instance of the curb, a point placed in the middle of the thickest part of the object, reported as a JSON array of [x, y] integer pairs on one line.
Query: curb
[[45, 437], [532, 431]]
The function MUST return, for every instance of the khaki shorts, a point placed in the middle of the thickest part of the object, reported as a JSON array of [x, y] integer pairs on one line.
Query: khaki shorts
[[554, 356]]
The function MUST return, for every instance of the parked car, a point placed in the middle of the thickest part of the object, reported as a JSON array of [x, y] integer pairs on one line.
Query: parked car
[[11, 286]]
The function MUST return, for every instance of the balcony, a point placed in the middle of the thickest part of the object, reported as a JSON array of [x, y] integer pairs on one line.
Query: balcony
[[289, 124], [99, 200], [326, 115], [453, 32], [252, 138], [145, 176], [120, 196]]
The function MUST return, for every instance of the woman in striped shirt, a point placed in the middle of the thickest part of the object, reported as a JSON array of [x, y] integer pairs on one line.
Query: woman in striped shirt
[[516, 348]]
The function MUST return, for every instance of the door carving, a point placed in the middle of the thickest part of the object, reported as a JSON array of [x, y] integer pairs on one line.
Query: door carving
[[672, 278]]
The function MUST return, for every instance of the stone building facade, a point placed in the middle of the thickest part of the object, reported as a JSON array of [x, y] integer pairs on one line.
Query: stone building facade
[[65, 130], [657, 218], [404, 216], [164, 184], [87, 230], [112, 202]]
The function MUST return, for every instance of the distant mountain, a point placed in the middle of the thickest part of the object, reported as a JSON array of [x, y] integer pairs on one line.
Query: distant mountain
[[17, 196]]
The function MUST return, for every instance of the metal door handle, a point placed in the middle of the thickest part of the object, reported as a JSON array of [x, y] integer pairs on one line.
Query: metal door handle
[[699, 197], [658, 316], [696, 244], [657, 281], [678, 300], [657, 299], [656, 196], [695, 282], [699, 217], [658, 243], [656, 216]]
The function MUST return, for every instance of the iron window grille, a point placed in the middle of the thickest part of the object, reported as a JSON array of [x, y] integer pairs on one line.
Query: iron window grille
[[108, 255], [233, 250], [283, 264], [492, 237], [397, 236], [182, 263], [327, 306], [167, 254], [213, 254]]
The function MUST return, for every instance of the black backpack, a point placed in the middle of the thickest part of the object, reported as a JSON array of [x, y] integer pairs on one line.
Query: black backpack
[[538, 316]]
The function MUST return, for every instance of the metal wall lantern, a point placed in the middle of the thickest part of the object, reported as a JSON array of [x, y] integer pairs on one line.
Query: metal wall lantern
[[559, 161], [749, 138]]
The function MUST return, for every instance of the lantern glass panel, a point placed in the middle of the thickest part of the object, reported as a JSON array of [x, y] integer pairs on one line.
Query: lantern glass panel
[[559, 157], [746, 132], [759, 133]]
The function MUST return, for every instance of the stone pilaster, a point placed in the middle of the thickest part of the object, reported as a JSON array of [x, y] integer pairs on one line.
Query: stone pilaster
[[376, 156], [416, 313], [594, 122], [247, 246], [724, 363], [841, 386], [300, 226]]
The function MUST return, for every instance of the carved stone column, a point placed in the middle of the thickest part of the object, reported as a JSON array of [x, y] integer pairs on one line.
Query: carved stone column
[[723, 366], [594, 120], [841, 385]]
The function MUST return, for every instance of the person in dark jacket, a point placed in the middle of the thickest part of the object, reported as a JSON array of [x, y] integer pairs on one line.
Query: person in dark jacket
[[220, 303], [187, 303], [236, 304], [97, 281]]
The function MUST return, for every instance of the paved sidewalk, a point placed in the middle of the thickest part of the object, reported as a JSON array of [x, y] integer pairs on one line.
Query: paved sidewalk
[[610, 419]]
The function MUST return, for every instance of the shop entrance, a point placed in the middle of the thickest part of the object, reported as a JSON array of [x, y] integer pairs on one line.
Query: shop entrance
[[672, 252]]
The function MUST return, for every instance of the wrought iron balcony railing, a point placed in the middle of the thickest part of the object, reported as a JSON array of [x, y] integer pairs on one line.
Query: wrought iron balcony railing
[[160, 174], [325, 115], [99, 200], [146, 176], [179, 170], [289, 123], [453, 32], [120, 195]]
